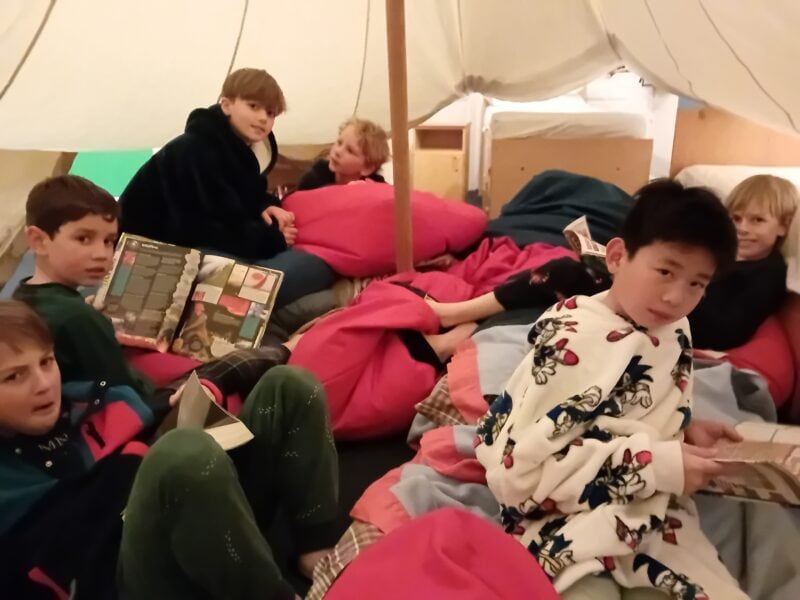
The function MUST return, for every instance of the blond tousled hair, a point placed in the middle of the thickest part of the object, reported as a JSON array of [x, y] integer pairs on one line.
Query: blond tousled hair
[[373, 139], [256, 85], [776, 195]]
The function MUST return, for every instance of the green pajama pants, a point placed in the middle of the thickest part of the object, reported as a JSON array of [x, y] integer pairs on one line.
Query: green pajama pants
[[194, 521]]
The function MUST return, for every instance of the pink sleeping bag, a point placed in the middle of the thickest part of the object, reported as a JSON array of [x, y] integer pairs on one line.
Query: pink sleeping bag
[[371, 380], [496, 259], [448, 554], [351, 227], [769, 354]]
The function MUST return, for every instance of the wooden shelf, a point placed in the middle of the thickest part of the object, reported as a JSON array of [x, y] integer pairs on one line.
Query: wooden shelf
[[440, 161]]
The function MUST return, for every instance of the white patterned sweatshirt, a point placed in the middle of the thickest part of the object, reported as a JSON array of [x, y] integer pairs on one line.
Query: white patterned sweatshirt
[[583, 451]]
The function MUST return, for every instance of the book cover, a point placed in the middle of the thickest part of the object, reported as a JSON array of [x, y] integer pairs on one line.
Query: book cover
[[580, 240], [163, 297], [197, 410], [766, 465], [229, 308], [145, 293]]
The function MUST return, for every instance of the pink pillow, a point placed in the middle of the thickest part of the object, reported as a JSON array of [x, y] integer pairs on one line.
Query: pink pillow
[[447, 554], [351, 227], [768, 353], [160, 368]]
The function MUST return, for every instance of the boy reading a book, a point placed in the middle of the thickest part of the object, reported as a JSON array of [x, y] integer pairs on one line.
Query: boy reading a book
[[204, 189], [735, 305], [592, 450], [80, 507], [358, 154], [72, 230]]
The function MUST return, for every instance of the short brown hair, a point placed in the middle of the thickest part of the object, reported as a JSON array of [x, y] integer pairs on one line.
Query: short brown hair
[[67, 198], [256, 85], [21, 324], [778, 196], [373, 139]]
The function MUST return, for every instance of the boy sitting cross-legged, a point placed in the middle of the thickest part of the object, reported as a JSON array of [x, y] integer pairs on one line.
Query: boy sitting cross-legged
[[592, 449], [80, 507]]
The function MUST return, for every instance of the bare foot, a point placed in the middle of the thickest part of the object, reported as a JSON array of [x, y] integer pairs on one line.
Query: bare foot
[[445, 344], [445, 311], [306, 562]]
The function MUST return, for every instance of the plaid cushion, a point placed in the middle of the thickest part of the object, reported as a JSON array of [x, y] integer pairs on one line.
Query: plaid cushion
[[358, 536], [438, 408]]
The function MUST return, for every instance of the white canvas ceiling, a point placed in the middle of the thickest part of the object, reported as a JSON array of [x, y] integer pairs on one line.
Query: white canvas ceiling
[[115, 74], [121, 74]]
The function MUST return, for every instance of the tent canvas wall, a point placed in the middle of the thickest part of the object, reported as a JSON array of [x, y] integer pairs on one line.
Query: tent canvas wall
[[123, 74]]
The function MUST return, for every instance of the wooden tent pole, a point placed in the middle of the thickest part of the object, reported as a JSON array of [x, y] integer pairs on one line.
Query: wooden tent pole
[[64, 163], [398, 106]]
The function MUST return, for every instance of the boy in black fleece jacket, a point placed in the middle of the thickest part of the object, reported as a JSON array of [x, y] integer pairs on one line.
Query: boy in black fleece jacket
[[204, 188]]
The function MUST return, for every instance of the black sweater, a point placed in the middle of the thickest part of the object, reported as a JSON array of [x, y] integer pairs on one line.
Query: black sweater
[[738, 303], [203, 189], [320, 175]]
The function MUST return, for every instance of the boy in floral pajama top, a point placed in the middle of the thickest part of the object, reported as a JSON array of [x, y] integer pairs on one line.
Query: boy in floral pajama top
[[592, 450]]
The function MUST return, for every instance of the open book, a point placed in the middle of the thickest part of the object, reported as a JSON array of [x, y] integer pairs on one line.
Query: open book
[[160, 296], [767, 464], [197, 410], [580, 240]]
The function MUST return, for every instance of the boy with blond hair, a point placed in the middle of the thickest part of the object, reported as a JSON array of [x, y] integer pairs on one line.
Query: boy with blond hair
[[358, 153], [735, 305], [204, 189]]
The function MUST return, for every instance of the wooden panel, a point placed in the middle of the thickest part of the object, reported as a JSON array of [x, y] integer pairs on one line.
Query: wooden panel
[[443, 137], [709, 136], [441, 160], [441, 172], [622, 161]]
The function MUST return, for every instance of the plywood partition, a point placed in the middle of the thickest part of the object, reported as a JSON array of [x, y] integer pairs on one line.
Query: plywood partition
[[623, 161], [709, 136]]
